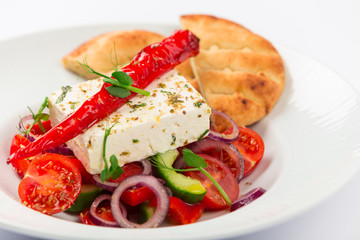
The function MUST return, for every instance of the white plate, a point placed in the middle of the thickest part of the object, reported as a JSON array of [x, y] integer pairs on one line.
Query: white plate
[[310, 136]]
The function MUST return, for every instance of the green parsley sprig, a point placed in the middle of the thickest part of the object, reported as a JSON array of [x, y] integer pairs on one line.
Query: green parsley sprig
[[40, 116], [121, 82], [115, 170], [196, 163]]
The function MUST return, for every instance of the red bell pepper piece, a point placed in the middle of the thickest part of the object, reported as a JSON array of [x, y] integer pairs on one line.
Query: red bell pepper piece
[[182, 213], [153, 61], [136, 196]]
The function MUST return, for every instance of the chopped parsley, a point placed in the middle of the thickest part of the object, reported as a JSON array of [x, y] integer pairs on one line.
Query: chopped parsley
[[65, 90], [198, 104]]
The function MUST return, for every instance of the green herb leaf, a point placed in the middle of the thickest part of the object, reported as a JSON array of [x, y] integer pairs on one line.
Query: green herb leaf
[[193, 160], [40, 116], [115, 169], [65, 90], [118, 91], [203, 134], [123, 78]]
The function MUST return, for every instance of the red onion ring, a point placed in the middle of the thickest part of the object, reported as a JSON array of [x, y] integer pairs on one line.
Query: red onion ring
[[160, 192], [24, 121], [111, 186], [207, 144], [247, 198], [63, 150], [98, 220], [226, 138], [146, 166]]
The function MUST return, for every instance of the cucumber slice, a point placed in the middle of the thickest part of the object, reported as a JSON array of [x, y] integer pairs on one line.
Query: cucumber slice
[[187, 189], [146, 212], [87, 195]]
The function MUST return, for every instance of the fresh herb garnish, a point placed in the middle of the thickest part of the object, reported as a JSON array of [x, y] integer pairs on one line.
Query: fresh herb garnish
[[135, 140], [115, 170], [167, 92], [173, 139], [65, 90], [121, 82], [73, 104], [203, 134], [196, 163], [40, 116], [136, 106], [198, 104]]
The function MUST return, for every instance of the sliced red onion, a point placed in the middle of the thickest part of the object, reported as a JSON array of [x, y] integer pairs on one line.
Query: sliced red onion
[[63, 150], [160, 192], [146, 166], [98, 220], [179, 163], [247, 198], [25, 121], [226, 138], [107, 185], [110, 186], [207, 144]]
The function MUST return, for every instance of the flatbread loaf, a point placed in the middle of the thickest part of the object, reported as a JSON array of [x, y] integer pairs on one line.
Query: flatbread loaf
[[100, 54], [239, 72]]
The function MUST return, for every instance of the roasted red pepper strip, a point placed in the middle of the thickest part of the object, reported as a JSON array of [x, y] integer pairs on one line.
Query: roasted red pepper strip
[[153, 61]]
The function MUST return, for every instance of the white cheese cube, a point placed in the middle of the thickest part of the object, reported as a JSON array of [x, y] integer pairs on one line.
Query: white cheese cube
[[174, 115]]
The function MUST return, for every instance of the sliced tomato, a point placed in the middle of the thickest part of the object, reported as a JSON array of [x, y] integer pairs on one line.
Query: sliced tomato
[[130, 169], [136, 196], [251, 146], [103, 211], [180, 213], [20, 165], [86, 177], [51, 184], [213, 200], [84, 217]]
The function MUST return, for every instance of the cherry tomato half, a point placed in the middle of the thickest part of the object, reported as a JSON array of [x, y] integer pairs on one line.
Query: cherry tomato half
[[213, 200], [20, 165], [51, 185], [251, 146]]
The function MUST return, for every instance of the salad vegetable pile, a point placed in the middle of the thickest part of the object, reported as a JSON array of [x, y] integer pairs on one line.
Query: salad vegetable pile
[[177, 185]]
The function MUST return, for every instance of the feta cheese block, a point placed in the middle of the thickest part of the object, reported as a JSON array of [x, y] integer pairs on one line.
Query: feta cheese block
[[174, 115]]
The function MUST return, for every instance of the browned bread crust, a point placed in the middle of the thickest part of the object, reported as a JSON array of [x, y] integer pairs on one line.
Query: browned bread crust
[[239, 72], [99, 51]]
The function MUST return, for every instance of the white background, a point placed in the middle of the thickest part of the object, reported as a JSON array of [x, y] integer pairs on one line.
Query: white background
[[328, 31]]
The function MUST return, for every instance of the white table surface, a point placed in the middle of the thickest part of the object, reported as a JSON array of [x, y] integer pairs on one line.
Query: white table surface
[[328, 31]]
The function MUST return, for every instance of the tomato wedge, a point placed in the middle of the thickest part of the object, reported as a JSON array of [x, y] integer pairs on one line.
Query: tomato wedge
[[132, 168], [213, 200], [103, 211], [182, 213], [51, 184], [20, 165], [84, 217], [251, 146]]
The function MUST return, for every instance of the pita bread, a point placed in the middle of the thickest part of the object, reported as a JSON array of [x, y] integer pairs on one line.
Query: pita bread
[[100, 51], [238, 72]]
